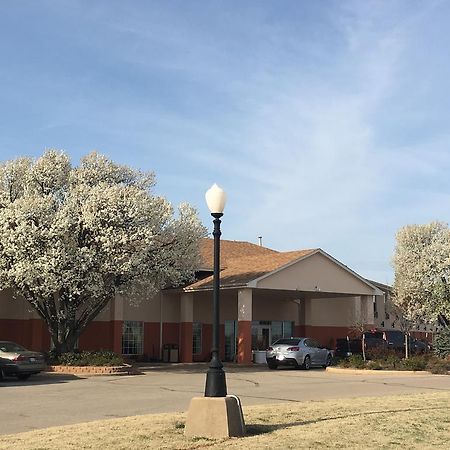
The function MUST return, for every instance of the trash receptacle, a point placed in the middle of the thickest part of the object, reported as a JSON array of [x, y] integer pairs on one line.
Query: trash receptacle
[[259, 356], [166, 352], [174, 353]]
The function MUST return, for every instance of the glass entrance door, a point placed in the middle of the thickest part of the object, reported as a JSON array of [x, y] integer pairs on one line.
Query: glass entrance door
[[261, 336]]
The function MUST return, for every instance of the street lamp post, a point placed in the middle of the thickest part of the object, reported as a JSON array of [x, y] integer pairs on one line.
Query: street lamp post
[[216, 385], [216, 415]]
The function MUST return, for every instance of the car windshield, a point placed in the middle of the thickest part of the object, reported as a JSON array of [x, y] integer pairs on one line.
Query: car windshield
[[287, 342], [11, 347]]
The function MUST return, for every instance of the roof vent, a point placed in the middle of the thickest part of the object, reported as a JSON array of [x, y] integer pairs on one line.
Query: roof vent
[[260, 240]]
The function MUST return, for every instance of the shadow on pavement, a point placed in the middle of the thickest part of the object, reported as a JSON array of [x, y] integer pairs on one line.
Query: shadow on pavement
[[40, 379], [203, 367], [197, 367]]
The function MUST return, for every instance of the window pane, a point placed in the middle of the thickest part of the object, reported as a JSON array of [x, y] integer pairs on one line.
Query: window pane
[[254, 334], [288, 328], [277, 330], [196, 337], [230, 340], [132, 337]]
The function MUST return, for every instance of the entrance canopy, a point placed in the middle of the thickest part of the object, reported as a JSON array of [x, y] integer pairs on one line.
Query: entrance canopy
[[302, 293]]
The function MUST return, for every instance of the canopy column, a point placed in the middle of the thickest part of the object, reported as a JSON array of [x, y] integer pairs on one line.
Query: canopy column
[[244, 347], [186, 327]]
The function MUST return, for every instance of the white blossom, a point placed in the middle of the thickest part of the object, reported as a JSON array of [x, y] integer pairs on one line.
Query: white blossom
[[422, 271], [71, 238]]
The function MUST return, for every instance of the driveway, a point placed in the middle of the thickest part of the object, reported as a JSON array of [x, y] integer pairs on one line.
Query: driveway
[[52, 399]]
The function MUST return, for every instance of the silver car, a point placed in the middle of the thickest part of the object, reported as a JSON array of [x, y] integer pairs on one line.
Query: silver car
[[298, 352], [16, 360]]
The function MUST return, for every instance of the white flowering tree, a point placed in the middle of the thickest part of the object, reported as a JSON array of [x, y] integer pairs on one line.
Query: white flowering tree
[[422, 271], [71, 238]]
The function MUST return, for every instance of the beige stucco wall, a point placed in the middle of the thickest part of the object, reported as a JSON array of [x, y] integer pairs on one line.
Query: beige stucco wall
[[146, 308], [15, 308], [170, 307], [117, 310], [380, 309], [276, 308], [316, 273], [337, 312], [203, 306]]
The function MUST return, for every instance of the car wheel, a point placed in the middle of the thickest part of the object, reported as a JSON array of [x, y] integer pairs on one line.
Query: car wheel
[[307, 363], [272, 365], [24, 376], [2, 375], [328, 361]]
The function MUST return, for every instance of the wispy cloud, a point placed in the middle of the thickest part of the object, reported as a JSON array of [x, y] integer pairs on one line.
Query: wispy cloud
[[327, 123]]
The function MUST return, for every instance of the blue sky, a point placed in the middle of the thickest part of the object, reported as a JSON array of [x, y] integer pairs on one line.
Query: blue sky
[[327, 123]]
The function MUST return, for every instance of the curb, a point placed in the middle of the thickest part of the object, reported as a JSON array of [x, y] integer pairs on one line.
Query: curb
[[376, 372]]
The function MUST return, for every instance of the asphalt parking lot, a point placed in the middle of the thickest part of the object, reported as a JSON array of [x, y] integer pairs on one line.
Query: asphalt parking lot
[[52, 399]]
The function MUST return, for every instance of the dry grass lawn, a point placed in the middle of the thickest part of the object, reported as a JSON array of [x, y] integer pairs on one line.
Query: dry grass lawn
[[409, 421]]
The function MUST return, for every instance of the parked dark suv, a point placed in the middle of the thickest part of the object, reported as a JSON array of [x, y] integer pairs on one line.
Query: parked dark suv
[[347, 347], [393, 340]]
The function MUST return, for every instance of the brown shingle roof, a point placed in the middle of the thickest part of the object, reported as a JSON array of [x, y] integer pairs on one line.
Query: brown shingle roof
[[229, 250], [242, 262]]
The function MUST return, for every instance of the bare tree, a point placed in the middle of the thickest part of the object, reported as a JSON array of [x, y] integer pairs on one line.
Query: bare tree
[[358, 327]]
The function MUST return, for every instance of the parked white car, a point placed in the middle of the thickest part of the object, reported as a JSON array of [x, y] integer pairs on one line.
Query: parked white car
[[298, 352]]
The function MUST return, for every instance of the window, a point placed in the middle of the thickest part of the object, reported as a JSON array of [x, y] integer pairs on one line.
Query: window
[[196, 338], [288, 329], [264, 332], [293, 342], [132, 337], [282, 329], [230, 339]]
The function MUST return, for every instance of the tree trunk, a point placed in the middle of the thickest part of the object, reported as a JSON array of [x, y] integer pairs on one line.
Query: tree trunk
[[64, 345], [363, 344]]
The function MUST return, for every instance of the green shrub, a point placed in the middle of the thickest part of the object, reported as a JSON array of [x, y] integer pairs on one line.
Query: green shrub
[[387, 358], [438, 365], [442, 343], [341, 362], [414, 363], [356, 362], [374, 365], [391, 362], [98, 358]]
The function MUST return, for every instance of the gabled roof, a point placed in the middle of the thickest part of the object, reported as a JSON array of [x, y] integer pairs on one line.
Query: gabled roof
[[383, 287], [242, 262]]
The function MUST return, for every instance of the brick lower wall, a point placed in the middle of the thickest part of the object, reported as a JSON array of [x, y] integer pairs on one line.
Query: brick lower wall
[[325, 335], [31, 333]]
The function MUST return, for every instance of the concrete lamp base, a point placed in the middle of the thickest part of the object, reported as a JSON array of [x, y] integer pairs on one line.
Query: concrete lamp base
[[215, 417]]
